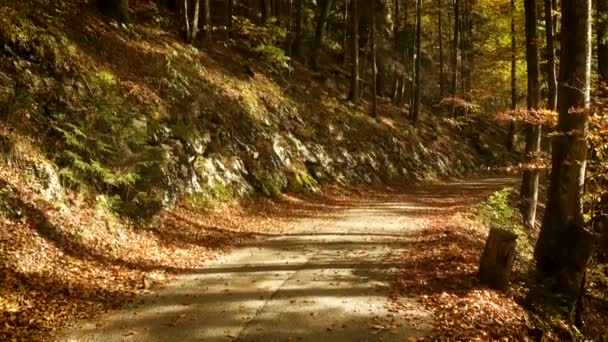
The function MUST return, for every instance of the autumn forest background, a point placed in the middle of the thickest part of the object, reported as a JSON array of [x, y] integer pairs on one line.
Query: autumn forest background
[[139, 138]]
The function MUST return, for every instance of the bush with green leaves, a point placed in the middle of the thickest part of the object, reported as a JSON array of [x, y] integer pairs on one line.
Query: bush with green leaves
[[265, 41], [498, 212], [103, 148]]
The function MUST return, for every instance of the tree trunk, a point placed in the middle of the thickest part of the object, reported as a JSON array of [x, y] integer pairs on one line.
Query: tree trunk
[[529, 186], [206, 22], [115, 9], [345, 32], [397, 24], [602, 43], [229, 14], [416, 104], [374, 62], [297, 41], [497, 259], [195, 16], [187, 21], [511, 134], [551, 78], [322, 13], [454, 62], [440, 33], [564, 245], [354, 49], [266, 9]]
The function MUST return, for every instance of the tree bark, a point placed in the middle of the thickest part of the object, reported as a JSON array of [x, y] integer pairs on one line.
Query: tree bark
[[602, 43], [229, 14], [416, 104], [187, 20], [529, 186], [397, 24], [511, 134], [345, 32], [266, 10], [497, 259], [195, 16], [206, 22], [440, 33], [322, 13], [354, 49], [115, 9], [549, 37], [374, 61], [563, 248], [297, 41], [454, 62]]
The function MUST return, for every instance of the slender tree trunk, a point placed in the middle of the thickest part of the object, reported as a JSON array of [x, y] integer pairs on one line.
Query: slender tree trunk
[[345, 32], [322, 13], [397, 24], [440, 33], [454, 62], [297, 41], [551, 77], [206, 22], [529, 186], [468, 50], [354, 50], [374, 61], [564, 244], [462, 51], [187, 21], [229, 14], [195, 16], [511, 134], [416, 109], [115, 9], [602, 43], [266, 9]]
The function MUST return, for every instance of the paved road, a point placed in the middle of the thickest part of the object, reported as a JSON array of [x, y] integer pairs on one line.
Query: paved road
[[325, 280]]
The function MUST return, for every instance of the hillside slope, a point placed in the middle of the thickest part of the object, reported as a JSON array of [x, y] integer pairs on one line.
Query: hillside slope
[[104, 128]]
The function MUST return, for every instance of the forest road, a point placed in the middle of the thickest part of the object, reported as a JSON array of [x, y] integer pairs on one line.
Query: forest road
[[327, 279]]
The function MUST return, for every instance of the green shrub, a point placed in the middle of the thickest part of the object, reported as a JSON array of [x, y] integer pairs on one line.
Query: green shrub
[[498, 212], [265, 41]]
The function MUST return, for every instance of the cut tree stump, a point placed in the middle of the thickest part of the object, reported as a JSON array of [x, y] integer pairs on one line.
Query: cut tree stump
[[497, 259]]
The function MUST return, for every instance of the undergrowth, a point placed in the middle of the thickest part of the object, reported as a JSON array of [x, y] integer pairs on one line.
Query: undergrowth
[[498, 212]]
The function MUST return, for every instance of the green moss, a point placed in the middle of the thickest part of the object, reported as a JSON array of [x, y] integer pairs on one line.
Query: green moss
[[211, 195], [270, 184], [301, 181]]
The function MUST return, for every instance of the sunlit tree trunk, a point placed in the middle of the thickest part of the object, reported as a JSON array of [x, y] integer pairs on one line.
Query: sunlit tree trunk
[[529, 186], [440, 33], [602, 42], [322, 13], [564, 244], [511, 134], [187, 20], [115, 9], [454, 62], [551, 77], [416, 104], [374, 61], [354, 49], [195, 16]]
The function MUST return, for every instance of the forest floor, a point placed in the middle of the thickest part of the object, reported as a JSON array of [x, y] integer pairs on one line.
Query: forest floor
[[380, 264]]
